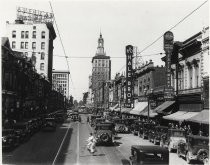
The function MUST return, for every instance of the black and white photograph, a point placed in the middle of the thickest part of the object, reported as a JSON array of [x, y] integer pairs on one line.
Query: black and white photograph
[[107, 82]]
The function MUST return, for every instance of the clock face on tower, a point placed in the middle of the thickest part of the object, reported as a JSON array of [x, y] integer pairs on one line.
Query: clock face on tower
[[168, 36]]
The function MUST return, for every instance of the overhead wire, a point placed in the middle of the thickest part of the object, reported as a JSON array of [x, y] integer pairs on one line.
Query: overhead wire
[[170, 29], [62, 46]]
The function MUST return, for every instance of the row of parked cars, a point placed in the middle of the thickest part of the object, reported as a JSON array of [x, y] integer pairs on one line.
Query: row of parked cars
[[191, 147], [16, 133]]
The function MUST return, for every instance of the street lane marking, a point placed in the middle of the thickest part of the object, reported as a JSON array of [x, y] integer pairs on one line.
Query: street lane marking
[[61, 145], [78, 143]]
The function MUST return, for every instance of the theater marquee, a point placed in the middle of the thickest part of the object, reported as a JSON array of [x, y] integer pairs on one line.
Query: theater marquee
[[129, 74]]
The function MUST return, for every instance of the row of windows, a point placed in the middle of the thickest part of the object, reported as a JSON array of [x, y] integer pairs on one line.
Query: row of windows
[[25, 34], [34, 54], [24, 45]]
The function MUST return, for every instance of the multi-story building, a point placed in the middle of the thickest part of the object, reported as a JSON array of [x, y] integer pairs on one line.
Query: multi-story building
[[101, 71], [60, 82], [90, 94], [34, 40]]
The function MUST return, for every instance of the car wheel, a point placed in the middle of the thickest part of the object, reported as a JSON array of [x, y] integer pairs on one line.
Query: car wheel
[[188, 158]]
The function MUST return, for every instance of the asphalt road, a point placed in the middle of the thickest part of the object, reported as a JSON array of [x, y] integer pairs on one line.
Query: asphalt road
[[67, 145]]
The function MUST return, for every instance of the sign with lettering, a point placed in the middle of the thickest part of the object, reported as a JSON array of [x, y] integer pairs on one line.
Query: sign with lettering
[[34, 16], [129, 75], [168, 41]]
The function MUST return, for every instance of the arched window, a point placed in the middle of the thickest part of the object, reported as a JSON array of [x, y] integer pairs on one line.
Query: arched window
[[42, 66]]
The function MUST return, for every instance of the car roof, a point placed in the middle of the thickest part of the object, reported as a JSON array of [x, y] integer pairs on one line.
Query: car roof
[[153, 149], [198, 137]]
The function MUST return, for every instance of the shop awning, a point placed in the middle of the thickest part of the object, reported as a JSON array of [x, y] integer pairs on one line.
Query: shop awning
[[114, 107], [125, 110], [201, 117], [151, 113], [180, 115], [140, 106], [164, 108]]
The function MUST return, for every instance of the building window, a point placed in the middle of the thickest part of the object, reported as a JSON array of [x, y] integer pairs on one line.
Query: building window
[[13, 44], [43, 34], [190, 76], [42, 66], [196, 76], [13, 34], [22, 45], [42, 56], [33, 45], [34, 27], [26, 45], [42, 45], [26, 34], [34, 34], [22, 34], [26, 54]]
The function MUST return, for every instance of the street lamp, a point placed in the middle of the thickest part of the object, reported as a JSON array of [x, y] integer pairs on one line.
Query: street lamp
[[145, 94]]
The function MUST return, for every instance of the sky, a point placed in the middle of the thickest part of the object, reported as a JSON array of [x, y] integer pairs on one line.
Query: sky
[[121, 23]]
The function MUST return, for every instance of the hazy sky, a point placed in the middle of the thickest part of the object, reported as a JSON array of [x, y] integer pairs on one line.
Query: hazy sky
[[121, 23]]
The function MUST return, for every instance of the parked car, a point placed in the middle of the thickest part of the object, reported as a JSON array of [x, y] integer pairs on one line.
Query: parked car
[[156, 133], [49, 124], [147, 155], [99, 120], [144, 130], [135, 126], [104, 133], [60, 117], [22, 129], [9, 139], [173, 137], [195, 148], [120, 126], [129, 122], [93, 118]]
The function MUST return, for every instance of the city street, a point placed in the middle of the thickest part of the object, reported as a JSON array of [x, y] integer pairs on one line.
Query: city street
[[63, 146]]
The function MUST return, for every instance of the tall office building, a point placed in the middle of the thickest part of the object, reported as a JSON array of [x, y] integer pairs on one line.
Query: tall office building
[[101, 70], [60, 82], [34, 38]]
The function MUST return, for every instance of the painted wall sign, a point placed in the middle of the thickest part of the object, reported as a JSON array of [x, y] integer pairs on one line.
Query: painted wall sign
[[129, 74]]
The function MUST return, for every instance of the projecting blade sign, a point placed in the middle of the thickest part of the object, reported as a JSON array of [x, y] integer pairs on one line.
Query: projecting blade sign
[[129, 74]]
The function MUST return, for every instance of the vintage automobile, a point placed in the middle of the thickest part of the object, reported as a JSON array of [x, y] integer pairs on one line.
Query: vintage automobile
[[93, 118], [195, 148], [156, 133], [104, 133], [147, 155], [129, 123], [50, 124], [99, 120], [136, 126], [172, 138], [144, 130], [9, 139], [59, 117], [75, 116], [22, 129], [120, 126]]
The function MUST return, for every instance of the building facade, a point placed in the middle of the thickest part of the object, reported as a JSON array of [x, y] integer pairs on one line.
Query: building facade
[[60, 82], [34, 40], [101, 72]]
